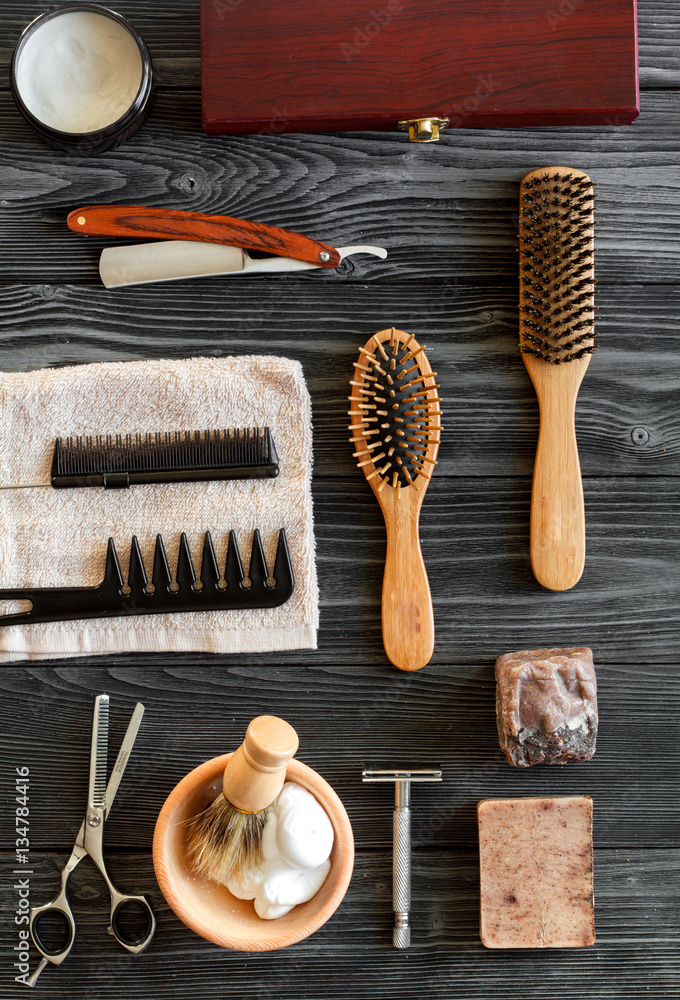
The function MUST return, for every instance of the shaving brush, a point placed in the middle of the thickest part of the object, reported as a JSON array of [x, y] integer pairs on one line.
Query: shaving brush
[[226, 838]]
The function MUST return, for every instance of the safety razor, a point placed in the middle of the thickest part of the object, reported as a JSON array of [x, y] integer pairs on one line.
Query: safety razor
[[401, 843]]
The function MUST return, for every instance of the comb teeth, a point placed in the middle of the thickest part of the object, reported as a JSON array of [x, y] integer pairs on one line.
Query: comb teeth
[[136, 458], [262, 588], [394, 411], [101, 752], [557, 281]]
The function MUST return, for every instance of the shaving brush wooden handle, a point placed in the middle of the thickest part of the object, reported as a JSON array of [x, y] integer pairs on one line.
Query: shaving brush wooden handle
[[255, 773]]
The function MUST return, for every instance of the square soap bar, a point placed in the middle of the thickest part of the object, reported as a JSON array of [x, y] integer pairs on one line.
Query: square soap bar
[[536, 872], [546, 705]]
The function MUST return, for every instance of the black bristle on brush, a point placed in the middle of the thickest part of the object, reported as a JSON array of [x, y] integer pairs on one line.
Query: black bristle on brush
[[557, 339], [556, 265]]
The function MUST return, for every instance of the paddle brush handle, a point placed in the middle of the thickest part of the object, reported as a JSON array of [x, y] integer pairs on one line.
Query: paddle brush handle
[[255, 774], [558, 523], [407, 617]]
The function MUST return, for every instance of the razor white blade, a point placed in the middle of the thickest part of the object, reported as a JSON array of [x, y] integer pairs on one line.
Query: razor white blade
[[176, 260]]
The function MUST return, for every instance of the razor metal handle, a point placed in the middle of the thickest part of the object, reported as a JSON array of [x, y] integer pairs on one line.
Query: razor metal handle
[[401, 865]]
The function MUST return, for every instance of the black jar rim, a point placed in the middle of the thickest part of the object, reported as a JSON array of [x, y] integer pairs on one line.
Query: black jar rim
[[110, 135]]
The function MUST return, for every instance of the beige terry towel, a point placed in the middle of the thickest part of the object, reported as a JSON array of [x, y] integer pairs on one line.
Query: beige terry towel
[[53, 538]]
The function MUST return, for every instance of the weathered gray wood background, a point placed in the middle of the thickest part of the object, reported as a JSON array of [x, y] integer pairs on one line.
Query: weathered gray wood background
[[447, 214]]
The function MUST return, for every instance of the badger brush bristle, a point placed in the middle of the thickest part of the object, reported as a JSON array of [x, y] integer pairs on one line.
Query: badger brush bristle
[[556, 264], [394, 411], [222, 842]]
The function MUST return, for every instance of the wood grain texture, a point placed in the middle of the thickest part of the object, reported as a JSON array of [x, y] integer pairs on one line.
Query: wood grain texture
[[448, 212], [174, 39], [441, 716], [636, 900], [475, 64], [475, 544], [558, 518], [137, 222], [448, 215], [627, 418]]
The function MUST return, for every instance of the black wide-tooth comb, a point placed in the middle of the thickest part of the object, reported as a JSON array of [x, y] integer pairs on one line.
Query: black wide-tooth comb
[[119, 461], [161, 595]]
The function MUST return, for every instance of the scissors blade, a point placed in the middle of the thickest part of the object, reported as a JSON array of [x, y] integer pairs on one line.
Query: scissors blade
[[96, 796], [123, 755]]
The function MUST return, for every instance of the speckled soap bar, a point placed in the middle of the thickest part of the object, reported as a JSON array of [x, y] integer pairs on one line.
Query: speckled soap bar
[[546, 705], [536, 872]]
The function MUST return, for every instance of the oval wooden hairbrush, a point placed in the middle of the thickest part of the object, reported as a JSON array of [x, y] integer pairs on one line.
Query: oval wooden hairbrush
[[396, 423], [556, 337]]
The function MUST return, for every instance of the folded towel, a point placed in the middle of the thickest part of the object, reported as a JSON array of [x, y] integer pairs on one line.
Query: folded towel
[[57, 538]]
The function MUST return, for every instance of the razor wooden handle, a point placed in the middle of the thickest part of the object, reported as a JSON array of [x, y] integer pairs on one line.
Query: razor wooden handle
[[407, 616], [558, 523], [255, 774], [137, 222]]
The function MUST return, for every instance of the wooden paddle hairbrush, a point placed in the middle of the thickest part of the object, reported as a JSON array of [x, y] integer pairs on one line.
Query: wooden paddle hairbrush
[[556, 337], [396, 423]]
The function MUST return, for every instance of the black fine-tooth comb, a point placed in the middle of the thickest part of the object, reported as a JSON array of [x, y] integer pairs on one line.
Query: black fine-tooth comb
[[161, 595], [119, 461]]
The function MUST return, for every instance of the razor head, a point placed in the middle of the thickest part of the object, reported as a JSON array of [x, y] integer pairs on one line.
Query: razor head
[[402, 774]]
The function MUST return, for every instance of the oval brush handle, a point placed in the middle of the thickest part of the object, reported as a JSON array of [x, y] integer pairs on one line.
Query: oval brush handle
[[558, 524], [407, 617], [255, 774]]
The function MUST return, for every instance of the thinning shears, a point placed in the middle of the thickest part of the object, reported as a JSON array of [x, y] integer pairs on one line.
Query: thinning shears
[[90, 841]]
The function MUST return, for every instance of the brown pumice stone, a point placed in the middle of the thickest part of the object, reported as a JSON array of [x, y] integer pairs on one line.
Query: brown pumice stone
[[546, 705]]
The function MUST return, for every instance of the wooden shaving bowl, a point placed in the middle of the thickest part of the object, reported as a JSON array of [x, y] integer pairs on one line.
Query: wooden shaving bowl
[[208, 908]]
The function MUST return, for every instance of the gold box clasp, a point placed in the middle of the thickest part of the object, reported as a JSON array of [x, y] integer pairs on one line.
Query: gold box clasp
[[423, 129]]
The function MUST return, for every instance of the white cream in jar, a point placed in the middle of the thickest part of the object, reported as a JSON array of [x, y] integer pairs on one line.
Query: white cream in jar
[[79, 71], [296, 844]]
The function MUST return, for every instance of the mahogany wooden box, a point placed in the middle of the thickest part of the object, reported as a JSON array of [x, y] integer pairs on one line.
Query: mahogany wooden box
[[273, 66]]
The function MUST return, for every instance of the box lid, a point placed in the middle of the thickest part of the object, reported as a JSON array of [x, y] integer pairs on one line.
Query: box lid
[[313, 66]]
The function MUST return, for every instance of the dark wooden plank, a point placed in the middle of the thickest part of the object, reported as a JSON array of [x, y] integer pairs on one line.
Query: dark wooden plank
[[475, 536], [628, 418], [475, 542], [447, 213], [636, 954], [348, 716], [658, 27]]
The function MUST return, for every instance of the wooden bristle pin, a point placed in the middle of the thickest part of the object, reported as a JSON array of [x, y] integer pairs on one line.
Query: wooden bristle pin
[[396, 449], [556, 338]]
